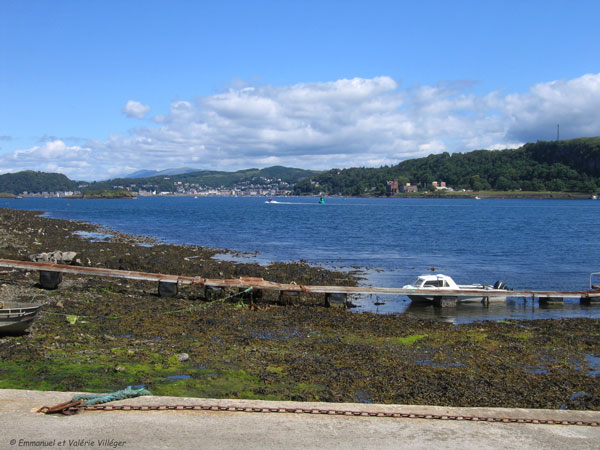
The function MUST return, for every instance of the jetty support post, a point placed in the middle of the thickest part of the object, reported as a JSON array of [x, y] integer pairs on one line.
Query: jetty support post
[[336, 299], [251, 296], [445, 301], [550, 300], [212, 293], [50, 279], [288, 297], [167, 289]]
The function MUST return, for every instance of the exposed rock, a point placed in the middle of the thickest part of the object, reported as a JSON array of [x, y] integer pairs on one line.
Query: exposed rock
[[182, 357], [55, 257]]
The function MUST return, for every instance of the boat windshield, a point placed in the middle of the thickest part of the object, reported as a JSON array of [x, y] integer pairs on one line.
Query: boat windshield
[[436, 283]]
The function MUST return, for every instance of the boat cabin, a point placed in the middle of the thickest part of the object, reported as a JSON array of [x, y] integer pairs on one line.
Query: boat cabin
[[434, 281]]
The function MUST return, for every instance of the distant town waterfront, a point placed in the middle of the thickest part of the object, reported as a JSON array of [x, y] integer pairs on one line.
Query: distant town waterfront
[[267, 188]]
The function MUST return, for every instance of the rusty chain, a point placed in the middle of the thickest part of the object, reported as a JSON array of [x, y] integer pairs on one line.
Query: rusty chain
[[71, 409]]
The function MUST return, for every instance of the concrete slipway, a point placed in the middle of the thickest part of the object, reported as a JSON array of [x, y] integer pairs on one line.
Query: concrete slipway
[[23, 427]]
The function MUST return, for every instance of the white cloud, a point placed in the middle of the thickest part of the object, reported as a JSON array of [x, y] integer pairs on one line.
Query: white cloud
[[574, 104], [343, 123], [135, 109], [52, 156]]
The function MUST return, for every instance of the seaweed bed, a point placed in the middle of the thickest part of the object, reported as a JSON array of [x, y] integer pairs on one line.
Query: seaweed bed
[[101, 334]]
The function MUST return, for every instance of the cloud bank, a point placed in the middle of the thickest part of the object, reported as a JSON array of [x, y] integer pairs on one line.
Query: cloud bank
[[343, 123], [135, 109], [51, 156]]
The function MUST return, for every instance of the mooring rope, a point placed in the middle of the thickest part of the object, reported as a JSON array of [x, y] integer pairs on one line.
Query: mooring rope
[[97, 399], [83, 400]]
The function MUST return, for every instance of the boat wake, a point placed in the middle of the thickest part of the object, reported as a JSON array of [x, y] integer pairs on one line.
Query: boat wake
[[290, 203]]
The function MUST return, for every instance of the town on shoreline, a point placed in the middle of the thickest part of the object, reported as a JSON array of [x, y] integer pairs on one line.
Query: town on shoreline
[[477, 195]]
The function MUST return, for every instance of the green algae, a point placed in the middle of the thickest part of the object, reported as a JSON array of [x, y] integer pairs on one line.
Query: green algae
[[126, 335], [238, 353], [358, 339], [209, 383], [408, 340]]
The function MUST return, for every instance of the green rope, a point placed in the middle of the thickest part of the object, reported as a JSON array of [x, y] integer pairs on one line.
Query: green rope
[[221, 300], [96, 399]]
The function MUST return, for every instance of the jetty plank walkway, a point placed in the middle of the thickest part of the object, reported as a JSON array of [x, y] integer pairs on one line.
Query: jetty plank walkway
[[261, 284]]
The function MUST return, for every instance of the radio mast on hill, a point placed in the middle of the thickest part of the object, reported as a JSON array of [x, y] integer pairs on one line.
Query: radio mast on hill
[[558, 132]]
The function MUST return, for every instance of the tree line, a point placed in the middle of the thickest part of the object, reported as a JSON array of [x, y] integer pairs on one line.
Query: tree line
[[567, 166], [36, 182]]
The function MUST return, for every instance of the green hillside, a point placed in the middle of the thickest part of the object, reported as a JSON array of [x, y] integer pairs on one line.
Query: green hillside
[[567, 166], [210, 178], [35, 182]]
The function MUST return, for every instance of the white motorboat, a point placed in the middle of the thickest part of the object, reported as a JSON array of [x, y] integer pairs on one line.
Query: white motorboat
[[444, 286]]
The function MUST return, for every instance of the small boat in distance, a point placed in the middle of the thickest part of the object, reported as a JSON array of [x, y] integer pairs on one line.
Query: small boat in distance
[[16, 317], [442, 285], [322, 200], [270, 200]]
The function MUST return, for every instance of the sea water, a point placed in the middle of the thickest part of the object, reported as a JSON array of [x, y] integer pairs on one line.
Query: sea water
[[527, 243]]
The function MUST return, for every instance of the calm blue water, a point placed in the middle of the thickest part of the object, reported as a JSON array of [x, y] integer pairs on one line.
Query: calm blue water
[[529, 244]]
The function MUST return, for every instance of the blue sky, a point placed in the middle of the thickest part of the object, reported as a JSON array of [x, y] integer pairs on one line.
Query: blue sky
[[101, 89]]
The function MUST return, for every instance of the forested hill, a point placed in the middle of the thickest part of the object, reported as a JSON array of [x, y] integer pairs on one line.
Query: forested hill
[[210, 178], [38, 182], [570, 166], [30, 181]]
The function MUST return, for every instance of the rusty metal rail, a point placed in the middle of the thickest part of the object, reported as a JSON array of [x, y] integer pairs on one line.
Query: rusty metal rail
[[260, 283]]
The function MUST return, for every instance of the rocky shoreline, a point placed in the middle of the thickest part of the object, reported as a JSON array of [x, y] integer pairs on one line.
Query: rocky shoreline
[[102, 334]]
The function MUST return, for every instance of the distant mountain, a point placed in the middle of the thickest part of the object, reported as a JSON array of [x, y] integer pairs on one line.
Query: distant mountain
[[158, 173], [142, 174]]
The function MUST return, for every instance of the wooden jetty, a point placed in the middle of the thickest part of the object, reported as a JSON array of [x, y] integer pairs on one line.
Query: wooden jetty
[[51, 275]]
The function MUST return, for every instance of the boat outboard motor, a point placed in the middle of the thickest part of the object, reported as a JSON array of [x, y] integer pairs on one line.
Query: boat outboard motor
[[500, 285]]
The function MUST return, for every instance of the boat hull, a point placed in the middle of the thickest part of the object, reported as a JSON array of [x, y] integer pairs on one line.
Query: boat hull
[[459, 298], [16, 318]]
